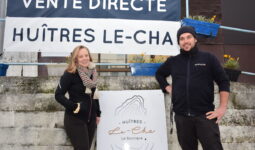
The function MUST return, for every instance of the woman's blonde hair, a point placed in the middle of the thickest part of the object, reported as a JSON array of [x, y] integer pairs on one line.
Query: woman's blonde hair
[[72, 62]]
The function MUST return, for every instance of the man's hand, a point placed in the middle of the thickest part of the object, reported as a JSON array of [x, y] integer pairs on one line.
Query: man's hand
[[218, 113], [168, 89]]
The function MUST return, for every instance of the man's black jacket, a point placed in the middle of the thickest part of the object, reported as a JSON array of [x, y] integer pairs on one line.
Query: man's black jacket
[[193, 74]]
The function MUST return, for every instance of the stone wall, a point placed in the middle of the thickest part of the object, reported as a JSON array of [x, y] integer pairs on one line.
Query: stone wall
[[31, 119]]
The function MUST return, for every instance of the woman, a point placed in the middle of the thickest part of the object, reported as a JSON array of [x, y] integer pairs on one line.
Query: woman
[[82, 111]]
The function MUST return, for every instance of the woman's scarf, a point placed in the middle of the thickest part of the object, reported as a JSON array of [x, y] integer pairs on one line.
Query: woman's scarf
[[89, 78]]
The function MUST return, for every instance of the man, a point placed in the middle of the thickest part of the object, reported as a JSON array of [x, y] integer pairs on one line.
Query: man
[[193, 74]]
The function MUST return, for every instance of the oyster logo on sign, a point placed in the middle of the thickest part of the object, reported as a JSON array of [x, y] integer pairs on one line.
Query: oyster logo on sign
[[129, 121]]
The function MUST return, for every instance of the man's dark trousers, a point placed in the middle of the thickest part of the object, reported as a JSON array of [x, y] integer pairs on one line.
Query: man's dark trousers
[[190, 129]]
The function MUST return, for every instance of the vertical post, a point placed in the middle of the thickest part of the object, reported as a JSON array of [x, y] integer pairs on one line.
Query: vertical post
[[2, 23], [126, 61], [187, 8], [99, 61]]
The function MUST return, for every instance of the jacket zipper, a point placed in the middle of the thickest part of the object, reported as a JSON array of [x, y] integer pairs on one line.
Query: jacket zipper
[[187, 85], [90, 109]]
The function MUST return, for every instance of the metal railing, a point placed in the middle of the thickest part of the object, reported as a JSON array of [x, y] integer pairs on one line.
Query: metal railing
[[109, 67], [39, 64], [248, 73], [99, 64]]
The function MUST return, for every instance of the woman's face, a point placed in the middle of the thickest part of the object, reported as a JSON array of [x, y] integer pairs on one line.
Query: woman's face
[[83, 58]]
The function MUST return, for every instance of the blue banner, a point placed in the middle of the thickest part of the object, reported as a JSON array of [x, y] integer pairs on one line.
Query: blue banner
[[168, 10]]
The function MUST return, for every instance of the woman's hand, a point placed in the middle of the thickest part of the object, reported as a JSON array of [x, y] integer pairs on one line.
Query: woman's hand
[[97, 120], [168, 89]]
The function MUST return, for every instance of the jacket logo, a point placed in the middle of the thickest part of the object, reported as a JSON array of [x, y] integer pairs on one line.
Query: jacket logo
[[200, 64]]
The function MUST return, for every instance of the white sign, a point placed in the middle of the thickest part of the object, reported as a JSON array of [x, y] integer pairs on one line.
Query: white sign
[[132, 120], [111, 36], [107, 27]]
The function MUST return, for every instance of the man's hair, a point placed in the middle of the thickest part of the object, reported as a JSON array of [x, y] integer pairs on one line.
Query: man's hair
[[186, 29]]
